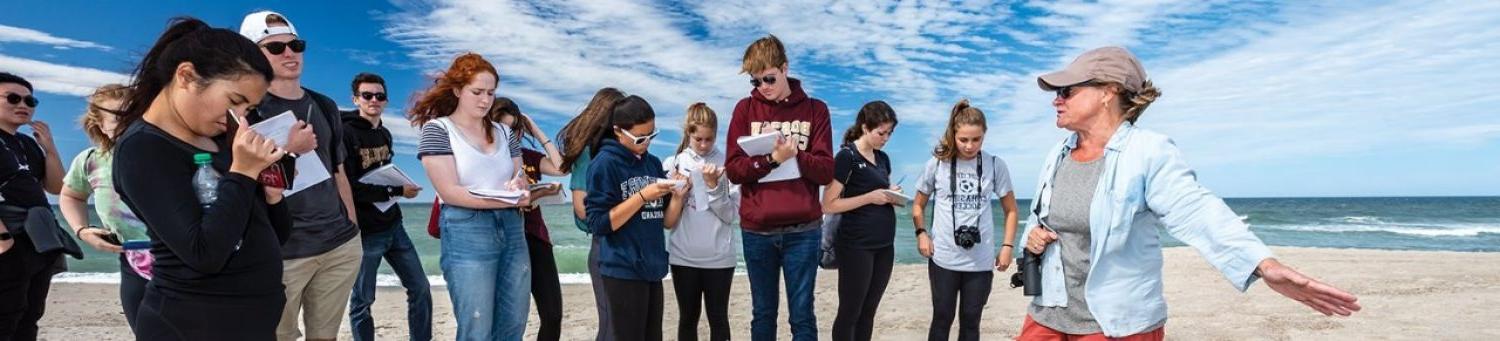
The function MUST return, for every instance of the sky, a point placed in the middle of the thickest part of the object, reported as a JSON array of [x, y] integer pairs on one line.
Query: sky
[[1265, 98]]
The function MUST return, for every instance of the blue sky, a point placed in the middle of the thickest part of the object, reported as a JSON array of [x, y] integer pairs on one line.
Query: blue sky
[[1355, 98]]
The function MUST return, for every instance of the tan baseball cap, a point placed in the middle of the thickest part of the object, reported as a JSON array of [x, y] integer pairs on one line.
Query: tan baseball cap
[[1105, 64]]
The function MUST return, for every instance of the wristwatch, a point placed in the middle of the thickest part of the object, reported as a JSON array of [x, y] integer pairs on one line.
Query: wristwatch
[[772, 161], [920, 232]]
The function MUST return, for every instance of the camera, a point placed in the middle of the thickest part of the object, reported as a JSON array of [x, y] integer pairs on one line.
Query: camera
[[1029, 276], [966, 236]]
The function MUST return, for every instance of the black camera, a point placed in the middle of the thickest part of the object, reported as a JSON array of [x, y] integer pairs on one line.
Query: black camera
[[966, 236], [1029, 276]]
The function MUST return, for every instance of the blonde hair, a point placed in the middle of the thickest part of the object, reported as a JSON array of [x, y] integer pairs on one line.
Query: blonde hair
[[93, 117], [699, 116], [962, 114], [1135, 103], [765, 53]]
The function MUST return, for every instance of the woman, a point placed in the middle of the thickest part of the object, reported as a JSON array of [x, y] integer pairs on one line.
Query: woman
[[546, 288], [701, 248], [221, 256], [1103, 193], [578, 137], [961, 251], [627, 212], [483, 256], [90, 174], [865, 242]]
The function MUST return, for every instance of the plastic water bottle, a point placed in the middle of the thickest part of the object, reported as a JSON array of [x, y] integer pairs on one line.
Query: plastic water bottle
[[206, 179]]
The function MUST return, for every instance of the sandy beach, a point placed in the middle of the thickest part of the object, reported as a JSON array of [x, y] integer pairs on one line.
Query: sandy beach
[[1405, 294]]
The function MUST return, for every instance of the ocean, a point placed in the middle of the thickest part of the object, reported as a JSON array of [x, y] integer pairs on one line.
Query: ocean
[[1466, 224]]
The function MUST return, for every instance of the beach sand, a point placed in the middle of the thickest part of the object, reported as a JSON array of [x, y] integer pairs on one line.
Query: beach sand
[[1405, 294]]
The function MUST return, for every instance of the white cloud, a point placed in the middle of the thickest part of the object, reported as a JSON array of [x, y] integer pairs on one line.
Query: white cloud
[[60, 79], [12, 34]]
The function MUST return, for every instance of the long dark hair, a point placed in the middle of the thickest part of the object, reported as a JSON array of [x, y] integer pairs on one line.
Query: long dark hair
[[625, 114], [871, 116], [581, 132], [504, 106], [216, 53]]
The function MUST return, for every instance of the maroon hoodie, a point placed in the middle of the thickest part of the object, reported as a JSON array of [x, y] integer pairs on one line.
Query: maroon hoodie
[[765, 207]]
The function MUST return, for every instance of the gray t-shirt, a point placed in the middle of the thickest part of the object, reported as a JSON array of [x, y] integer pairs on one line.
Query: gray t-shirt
[[1068, 215], [319, 221], [973, 206]]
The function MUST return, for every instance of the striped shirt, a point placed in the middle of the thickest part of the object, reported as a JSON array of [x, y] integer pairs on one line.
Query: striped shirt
[[435, 141]]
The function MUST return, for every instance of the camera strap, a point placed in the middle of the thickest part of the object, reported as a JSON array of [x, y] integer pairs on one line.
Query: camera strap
[[953, 184]]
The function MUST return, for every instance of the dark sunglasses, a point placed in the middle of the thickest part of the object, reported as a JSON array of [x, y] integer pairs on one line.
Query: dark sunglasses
[[17, 98], [380, 96], [767, 79], [1068, 91], [297, 46], [639, 140]]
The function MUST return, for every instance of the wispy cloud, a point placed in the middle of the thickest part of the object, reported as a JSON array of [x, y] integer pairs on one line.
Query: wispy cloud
[[58, 78], [12, 34]]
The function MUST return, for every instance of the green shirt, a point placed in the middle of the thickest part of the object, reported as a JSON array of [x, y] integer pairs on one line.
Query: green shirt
[[90, 174]]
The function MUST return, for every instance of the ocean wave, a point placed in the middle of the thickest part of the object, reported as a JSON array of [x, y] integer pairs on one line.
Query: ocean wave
[[1411, 230], [1360, 220]]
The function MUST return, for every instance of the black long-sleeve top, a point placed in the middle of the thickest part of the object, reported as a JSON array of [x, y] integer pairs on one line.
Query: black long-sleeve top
[[232, 248]]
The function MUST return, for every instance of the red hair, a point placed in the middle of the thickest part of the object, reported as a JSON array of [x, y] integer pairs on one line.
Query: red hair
[[439, 101]]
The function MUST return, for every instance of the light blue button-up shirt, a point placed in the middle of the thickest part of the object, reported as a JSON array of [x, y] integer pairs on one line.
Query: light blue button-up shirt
[[1145, 184]]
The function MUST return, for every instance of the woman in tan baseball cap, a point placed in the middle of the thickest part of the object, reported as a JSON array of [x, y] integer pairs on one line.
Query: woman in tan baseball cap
[[1102, 195]]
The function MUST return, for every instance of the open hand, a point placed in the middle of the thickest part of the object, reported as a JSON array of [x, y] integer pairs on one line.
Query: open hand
[[1320, 296]]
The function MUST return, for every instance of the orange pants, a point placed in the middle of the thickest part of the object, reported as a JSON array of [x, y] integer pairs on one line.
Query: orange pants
[[1032, 331]]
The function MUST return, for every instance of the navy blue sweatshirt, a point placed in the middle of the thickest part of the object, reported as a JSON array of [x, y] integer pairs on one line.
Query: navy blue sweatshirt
[[638, 250]]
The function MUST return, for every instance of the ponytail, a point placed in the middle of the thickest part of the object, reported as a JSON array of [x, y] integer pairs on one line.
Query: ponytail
[[871, 116], [699, 116], [962, 114], [215, 53]]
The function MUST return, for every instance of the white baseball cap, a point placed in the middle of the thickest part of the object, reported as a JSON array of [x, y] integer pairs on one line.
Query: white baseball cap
[[254, 26]]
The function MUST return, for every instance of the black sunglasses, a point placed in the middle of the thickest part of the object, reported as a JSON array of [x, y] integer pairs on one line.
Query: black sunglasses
[[380, 96], [1068, 91], [13, 98], [768, 79], [297, 46]]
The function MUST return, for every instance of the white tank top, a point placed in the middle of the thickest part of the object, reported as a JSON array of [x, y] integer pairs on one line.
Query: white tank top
[[477, 170]]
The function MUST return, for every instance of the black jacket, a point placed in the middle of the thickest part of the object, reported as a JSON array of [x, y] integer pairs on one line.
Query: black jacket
[[369, 148]]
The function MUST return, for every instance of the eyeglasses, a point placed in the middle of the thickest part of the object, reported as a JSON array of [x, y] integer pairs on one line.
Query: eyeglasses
[[1068, 91], [277, 48], [379, 96], [14, 98], [767, 79], [639, 140]]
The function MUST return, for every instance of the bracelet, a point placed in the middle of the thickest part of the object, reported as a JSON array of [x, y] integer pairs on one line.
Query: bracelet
[[1007, 245], [546, 142], [920, 232], [78, 233]]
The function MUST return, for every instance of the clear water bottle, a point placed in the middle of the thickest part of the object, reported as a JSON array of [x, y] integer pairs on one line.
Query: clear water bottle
[[206, 179]]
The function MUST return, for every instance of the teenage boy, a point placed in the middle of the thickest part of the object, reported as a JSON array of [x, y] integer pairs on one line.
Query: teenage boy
[[322, 257], [370, 146], [780, 220], [29, 169]]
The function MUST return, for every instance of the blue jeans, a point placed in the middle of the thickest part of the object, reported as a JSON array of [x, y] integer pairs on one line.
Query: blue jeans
[[488, 272], [796, 255], [395, 247]]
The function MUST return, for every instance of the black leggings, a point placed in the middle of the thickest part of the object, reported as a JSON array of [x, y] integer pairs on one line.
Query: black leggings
[[635, 308], [132, 290], [545, 289], [25, 277], [947, 288], [696, 287], [176, 316], [863, 276]]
